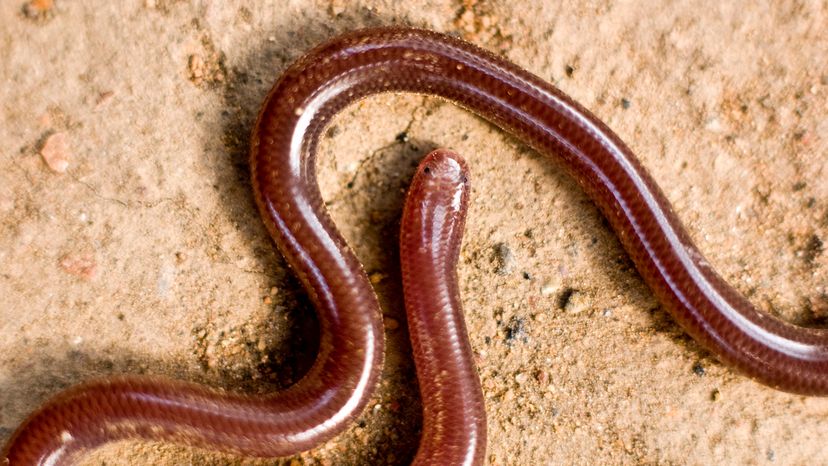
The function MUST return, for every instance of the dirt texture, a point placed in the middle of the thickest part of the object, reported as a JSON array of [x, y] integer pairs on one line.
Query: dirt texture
[[130, 242]]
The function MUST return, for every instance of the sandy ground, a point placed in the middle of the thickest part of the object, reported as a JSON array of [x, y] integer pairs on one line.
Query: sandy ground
[[129, 241]]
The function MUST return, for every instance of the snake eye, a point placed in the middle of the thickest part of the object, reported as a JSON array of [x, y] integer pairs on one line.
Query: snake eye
[[427, 170]]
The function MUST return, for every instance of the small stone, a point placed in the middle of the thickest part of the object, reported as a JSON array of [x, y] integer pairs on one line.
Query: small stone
[[38, 9], [521, 378], [714, 125], [542, 377], [515, 330], [504, 259], [337, 7], [391, 323], [196, 65], [332, 131], [819, 305], [573, 301], [549, 288], [55, 152], [103, 99], [509, 395], [361, 435], [206, 69], [80, 265]]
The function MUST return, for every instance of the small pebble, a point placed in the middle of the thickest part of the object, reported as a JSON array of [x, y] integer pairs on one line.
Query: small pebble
[[509, 395], [515, 329], [550, 288], [714, 125], [55, 152], [337, 7], [196, 65], [573, 301], [80, 265], [391, 323], [103, 99], [504, 259], [38, 9]]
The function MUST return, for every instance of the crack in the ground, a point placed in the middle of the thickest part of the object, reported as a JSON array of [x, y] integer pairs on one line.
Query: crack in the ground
[[97, 194], [358, 170]]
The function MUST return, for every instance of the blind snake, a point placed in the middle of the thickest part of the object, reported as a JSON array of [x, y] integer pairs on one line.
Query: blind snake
[[338, 385]]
